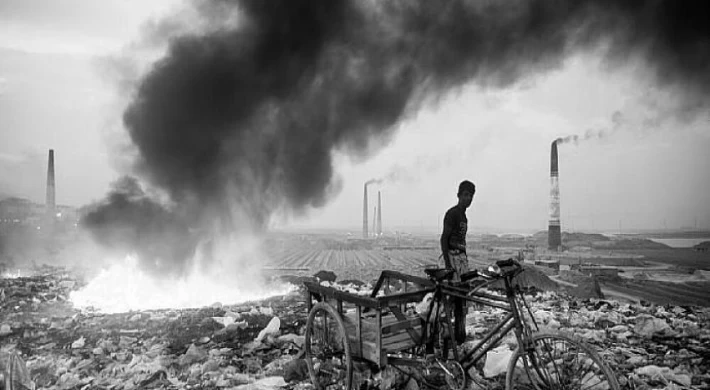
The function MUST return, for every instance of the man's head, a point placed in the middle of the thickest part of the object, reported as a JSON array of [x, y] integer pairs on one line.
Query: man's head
[[466, 192]]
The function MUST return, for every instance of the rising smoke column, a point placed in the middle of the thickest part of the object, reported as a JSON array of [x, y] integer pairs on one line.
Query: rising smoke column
[[239, 121]]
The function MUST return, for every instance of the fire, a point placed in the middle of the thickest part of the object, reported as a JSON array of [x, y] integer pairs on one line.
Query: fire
[[124, 287], [11, 275]]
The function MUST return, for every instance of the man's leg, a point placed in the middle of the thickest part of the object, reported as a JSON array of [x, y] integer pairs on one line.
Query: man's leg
[[460, 264]]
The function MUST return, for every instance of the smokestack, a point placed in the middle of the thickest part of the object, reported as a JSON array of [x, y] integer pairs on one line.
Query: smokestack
[[379, 214], [364, 212], [554, 235], [374, 221], [50, 199]]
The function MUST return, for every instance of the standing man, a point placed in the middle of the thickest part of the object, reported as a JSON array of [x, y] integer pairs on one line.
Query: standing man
[[453, 248]]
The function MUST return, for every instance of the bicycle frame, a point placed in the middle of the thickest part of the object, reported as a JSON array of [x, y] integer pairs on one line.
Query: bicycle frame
[[512, 321]]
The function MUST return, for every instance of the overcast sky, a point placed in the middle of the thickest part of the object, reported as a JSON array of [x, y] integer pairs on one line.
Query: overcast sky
[[641, 173]]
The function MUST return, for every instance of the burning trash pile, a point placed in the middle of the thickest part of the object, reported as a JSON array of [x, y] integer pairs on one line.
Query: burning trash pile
[[258, 345]]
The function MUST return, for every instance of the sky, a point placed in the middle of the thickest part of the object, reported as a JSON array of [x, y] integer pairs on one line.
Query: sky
[[633, 171]]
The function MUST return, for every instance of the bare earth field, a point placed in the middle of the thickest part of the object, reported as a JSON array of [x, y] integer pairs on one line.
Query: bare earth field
[[659, 275]]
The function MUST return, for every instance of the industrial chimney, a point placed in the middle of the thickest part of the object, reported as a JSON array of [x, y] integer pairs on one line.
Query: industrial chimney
[[364, 213], [374, 221], [50, 200], [554, 235], [379, 214]]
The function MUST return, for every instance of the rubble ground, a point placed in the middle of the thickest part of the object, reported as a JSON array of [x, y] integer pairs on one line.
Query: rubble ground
[[257, 345]]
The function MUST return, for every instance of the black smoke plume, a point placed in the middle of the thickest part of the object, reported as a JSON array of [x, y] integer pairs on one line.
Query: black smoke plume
[[239, 121]]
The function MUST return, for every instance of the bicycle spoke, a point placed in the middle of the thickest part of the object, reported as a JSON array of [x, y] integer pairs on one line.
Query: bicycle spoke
[[559, 362]]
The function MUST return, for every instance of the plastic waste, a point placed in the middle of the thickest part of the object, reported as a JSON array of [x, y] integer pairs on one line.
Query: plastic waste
[[273, 327]]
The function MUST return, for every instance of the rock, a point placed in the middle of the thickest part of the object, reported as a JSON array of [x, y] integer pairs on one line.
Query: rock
[[655, 372], [636, 360], [647, 325], [5, 330], [607, 320], [210, 365], [295, 370], [619, 329], [79, 343], [268, 383], [194, 354], [326, 276], [683, 379], [224, 321], [67, 284], [412, 385], [241, 379], [267, 311]]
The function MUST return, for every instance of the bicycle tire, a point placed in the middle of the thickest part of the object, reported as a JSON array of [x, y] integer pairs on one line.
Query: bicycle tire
[[328, 349], [558, 361]]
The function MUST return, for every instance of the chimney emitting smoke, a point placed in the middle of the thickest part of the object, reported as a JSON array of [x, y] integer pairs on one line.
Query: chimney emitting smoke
[[364, 212], [554, 235]]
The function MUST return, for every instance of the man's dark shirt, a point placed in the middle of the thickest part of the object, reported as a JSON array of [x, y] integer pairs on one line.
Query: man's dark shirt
[[456, 219]]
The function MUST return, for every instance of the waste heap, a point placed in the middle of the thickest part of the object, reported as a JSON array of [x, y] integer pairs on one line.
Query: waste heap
[[257, 345]]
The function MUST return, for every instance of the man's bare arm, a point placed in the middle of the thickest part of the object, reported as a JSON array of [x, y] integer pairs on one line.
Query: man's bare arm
[[444, 241]]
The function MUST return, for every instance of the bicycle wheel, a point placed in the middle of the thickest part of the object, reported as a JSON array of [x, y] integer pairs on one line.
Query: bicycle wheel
[[327, 349], [556, 361]]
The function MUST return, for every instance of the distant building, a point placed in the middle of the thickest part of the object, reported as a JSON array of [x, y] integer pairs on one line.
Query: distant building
[[595, 270], [20, 211], [703, 247], [24, 212], [553, 264]]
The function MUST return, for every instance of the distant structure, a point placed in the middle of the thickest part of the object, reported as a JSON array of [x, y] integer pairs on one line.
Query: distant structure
[[50, 200], [364, 213], [374, 221], [379, 213], [554, 232], [16, 212]]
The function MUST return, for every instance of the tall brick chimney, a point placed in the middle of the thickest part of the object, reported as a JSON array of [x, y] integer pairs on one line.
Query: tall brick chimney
[[379, 213], [364, 212], [50, 203], [554, 233]]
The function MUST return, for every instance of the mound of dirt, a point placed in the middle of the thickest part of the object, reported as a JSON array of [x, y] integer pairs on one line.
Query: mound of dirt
[[587, 288], [533, 278]]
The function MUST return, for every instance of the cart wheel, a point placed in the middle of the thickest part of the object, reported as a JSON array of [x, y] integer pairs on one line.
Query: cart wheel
[[556, 361], [455, 375], [327, 349]]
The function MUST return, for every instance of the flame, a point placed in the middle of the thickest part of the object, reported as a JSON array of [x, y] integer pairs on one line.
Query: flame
[[124, 287], [12, 275]]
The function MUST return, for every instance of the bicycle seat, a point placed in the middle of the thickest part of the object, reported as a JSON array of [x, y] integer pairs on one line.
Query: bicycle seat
[[439, 274]]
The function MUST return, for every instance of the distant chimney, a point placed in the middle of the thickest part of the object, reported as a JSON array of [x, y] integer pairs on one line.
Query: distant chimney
[[379, 214], [374, 221], [364, 212], [50, 200], [554, 232]]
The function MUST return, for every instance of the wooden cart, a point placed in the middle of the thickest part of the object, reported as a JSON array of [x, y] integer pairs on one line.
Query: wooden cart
[[378, 327]]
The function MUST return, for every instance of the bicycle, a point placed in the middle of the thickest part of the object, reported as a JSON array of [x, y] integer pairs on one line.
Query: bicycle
[[382, 330]]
